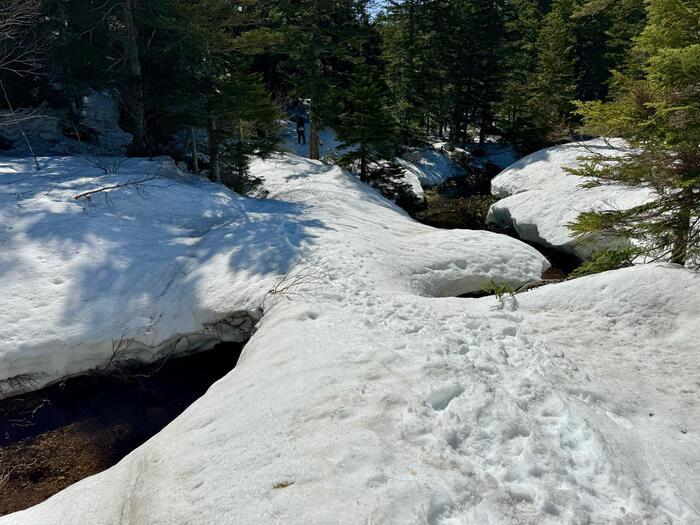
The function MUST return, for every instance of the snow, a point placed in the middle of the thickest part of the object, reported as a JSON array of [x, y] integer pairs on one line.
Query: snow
[[422, 168], [329, 145], [367, 395], [179, 256], [540, 198], [490, 152], [45, 129], [430, 167]]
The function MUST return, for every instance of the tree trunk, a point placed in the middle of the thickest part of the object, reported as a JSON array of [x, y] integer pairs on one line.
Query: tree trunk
[[135, 96], [483, 127], [681, 233], [363, 168], [213, 150], [195, 154], [314, 141], [485, 110]]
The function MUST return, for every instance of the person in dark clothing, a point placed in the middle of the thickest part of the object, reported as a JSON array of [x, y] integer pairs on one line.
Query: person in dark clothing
[[301, 131]]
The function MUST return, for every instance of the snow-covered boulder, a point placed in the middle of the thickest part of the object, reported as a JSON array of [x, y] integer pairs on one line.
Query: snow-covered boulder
[[540, 197], [170, 261], [429, 167]]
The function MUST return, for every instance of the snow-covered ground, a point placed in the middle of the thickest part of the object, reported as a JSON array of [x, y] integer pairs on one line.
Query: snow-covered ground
[[540, 198], [422, 168], [490, 152], [366, 395], [178, 256], [328, 141]]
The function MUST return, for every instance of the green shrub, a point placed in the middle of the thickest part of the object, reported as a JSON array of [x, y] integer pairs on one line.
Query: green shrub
[[604, 260], [498, 289]]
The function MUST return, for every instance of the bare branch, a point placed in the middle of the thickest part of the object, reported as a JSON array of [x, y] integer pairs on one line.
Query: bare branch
[[21, 51], [131, 184]]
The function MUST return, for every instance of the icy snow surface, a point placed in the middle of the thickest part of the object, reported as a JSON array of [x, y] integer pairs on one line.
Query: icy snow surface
[[541, 198], [366, 398]]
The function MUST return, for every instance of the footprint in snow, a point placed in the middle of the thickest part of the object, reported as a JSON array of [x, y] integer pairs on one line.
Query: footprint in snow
[[439, 399]]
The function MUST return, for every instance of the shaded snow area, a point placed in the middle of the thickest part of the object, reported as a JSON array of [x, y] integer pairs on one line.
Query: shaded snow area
[[329, 145], [541, 198], [367, 395], [50, 132], [136, 267], [430, 167], [490, 152]]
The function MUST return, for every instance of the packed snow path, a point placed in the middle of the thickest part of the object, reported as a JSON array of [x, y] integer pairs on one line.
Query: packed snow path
[[365, 397]]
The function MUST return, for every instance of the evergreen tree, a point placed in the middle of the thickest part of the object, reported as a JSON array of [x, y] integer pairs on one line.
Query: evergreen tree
[[658, 113], [522, 20], [555, 82], [366, 125], [404, 51], [212, 45], [319, 38]]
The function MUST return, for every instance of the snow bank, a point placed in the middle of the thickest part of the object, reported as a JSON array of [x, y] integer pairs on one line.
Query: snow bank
[[433, 166], [490, 152], [429, 167], [145, 265], [365, 398], [175, 261], [358, 405], [541, 198], [422, 168]]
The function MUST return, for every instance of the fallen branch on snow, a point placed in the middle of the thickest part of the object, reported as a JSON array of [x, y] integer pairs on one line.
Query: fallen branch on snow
[[130, 184]]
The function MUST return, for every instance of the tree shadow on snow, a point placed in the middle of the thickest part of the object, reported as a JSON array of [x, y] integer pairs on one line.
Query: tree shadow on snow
[[127, 257]]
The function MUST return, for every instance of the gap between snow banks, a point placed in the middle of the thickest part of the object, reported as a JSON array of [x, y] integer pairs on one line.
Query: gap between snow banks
[[56, 436]]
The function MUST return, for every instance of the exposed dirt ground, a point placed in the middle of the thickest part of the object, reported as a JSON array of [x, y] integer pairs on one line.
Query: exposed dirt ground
[[56, 436]]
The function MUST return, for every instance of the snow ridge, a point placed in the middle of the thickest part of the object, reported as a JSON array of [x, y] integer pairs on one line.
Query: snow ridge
[[540, 198]]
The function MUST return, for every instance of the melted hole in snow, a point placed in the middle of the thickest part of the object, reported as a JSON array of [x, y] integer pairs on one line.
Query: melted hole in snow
[[56, 436]]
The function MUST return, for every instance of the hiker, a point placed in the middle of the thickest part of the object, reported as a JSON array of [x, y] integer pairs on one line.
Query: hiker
[[301, 128]]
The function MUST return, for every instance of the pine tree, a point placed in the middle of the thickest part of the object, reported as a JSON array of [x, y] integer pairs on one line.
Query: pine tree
[[212, 45], [401, 36], [134, 91], [658, 114], [555, 82], [365, 124], [522, 20], [319, 38]]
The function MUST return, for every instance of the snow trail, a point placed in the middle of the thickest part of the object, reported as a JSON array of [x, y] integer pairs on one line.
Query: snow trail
[[368, 395]]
